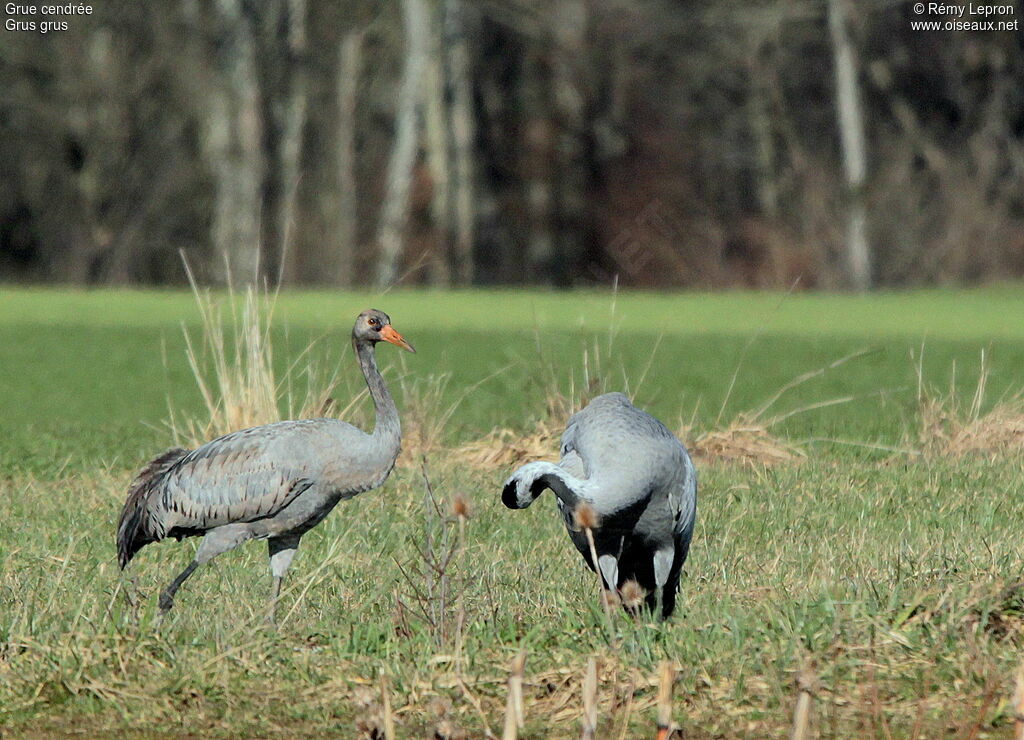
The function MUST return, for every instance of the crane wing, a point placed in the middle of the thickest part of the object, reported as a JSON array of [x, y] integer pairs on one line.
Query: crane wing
[[683, 502], [240, 477], [572, 460]]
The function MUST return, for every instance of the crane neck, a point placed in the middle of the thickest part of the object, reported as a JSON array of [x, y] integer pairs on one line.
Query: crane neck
[[564, 486], [387, 426]]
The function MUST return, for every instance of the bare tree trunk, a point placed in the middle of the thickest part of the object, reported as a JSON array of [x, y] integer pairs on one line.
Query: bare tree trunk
[[763, 133], [395, 209], [570, 91], [232, 144], [98, 115], [851, 126], [339, 262], [291, 141], [435, 120], [463, 134], [538, 157]]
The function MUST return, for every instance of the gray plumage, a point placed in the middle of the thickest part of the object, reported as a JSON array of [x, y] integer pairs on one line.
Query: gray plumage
[[642, 485], [273, 482]]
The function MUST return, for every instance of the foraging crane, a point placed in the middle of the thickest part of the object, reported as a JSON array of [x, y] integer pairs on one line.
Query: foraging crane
[[272, 482], [639, 481]]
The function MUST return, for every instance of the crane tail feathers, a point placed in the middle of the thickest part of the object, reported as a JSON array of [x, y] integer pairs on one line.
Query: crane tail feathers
[[132, 533]]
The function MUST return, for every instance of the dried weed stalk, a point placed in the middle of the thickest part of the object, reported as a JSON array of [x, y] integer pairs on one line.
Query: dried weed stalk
[[515, 715], [666, 681], [806, 685], [950, 428], [590, 701], [432, 588]]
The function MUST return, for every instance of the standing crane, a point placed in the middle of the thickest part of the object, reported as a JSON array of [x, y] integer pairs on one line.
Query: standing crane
[[639, 481], [273, 482]]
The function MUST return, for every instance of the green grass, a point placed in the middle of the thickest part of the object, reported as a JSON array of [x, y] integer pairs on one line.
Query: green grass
[[893, 572]]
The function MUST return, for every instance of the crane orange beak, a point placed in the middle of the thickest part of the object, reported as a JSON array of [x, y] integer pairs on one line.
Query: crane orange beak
[[388, 334]]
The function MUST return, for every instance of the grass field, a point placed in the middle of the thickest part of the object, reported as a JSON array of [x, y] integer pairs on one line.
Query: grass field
[[882, 559]]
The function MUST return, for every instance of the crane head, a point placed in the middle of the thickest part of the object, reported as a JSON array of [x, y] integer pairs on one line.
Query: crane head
[[524, 485], [375, 326]]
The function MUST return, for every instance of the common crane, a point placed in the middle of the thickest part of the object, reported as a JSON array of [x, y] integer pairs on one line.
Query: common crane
[[272, 482], [642, 485]]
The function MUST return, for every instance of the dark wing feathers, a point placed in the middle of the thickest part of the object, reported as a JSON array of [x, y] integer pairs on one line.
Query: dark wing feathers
[[132, 532], [240, 477]]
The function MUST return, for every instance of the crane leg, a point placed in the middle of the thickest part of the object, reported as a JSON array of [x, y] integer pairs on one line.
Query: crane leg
[[167, 595], [608, 566], [282, 550], [214, 543], [663, 560]]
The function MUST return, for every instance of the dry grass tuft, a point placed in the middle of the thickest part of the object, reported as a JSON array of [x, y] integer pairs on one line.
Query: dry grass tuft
[[446, 729], [232, 361], [426, 412], [747, 439], [946, 431], [744, 441], [993, 609], [446, 726], [1003, 619], [369, 719], [504, 448], [951, 428]]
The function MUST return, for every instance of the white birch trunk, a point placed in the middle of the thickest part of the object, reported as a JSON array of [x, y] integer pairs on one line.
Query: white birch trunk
[[851, 127], [435, 121], [291, 142], [764, 137], [233, 150], [395, 209], [569, 94], [463, 134], [339, 263], [539, 158]]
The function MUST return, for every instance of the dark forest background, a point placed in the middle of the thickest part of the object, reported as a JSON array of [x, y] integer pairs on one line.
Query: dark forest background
[[707, 143]]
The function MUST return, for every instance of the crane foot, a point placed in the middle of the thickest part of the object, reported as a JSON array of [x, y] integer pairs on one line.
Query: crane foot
[[166, 601]]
